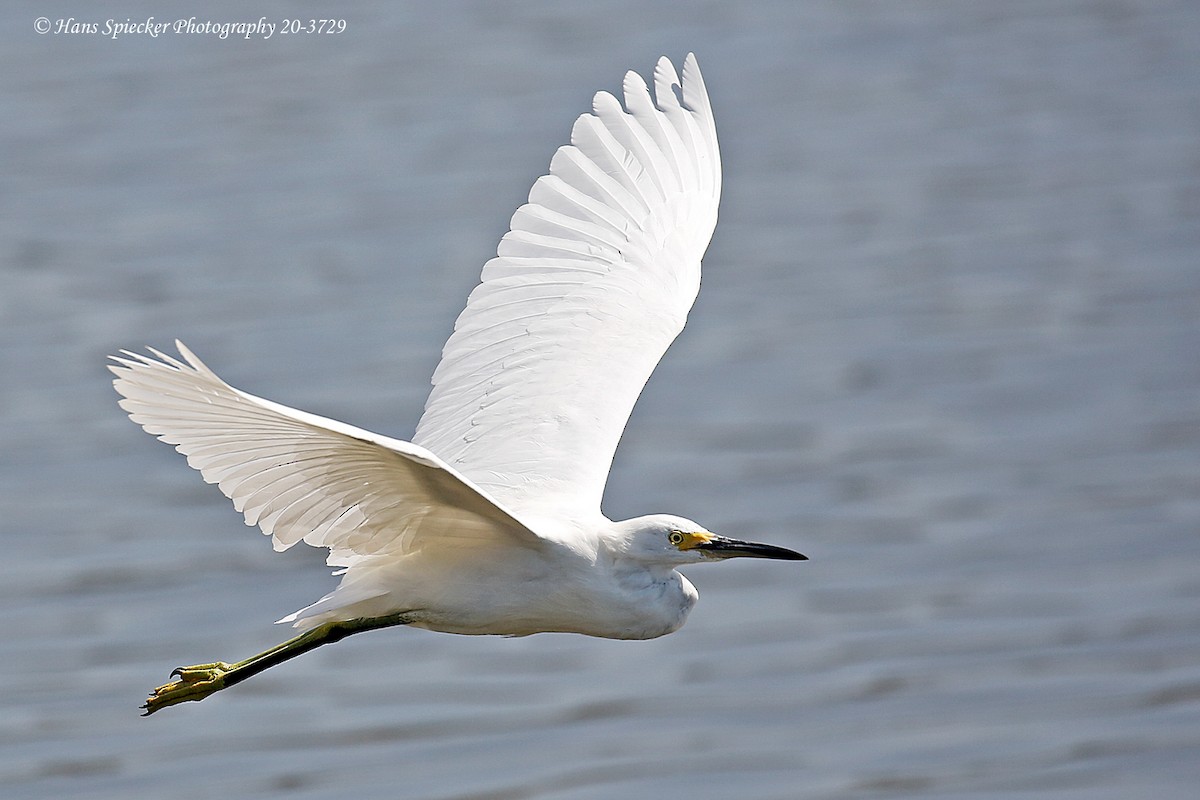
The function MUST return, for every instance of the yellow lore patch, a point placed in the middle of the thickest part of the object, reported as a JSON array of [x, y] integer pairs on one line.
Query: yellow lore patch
[[688, 541]]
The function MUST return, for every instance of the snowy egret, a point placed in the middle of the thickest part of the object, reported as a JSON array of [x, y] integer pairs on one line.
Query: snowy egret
[[489, 521]]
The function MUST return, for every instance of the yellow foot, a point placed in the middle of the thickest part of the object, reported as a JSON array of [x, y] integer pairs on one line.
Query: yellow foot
[[195, 683]]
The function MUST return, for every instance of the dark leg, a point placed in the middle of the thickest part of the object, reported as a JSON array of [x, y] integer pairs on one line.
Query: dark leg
[[199, 681]]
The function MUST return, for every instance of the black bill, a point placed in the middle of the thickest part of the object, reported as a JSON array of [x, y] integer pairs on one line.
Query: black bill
[[720, 547]]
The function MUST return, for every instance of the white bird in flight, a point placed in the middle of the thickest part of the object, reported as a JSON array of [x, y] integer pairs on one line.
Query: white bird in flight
[[489, 521]]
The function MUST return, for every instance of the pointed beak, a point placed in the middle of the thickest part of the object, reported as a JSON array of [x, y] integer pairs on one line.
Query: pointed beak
[[720, 547]]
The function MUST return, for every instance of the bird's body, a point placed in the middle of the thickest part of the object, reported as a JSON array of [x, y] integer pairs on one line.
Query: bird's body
[[578, 581], [586, 589], [489, 521]]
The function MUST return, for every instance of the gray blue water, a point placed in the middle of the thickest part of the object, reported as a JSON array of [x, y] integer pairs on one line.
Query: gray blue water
[[946, 346]]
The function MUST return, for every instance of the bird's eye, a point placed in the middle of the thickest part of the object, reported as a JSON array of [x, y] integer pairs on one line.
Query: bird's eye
[[676, 538]]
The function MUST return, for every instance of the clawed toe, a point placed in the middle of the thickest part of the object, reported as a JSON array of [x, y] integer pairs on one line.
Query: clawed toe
[[194, 683]]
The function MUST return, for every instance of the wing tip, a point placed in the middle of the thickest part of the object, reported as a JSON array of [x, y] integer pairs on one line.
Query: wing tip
[[126, 363], [672, 89]]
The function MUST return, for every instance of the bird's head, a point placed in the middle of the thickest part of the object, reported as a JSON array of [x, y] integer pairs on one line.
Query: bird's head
[[667, 539]]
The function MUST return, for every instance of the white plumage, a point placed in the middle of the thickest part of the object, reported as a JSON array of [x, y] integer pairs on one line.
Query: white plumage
[[489, 521], [589, 287]]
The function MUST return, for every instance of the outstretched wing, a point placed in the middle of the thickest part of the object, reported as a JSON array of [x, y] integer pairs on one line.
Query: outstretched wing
[[589, 287], [299, 476]]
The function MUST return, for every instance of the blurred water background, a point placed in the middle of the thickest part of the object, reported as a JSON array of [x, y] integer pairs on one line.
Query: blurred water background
[[947, 346]]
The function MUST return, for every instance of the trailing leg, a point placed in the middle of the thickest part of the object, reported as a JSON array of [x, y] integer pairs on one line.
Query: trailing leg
[[199, 681]]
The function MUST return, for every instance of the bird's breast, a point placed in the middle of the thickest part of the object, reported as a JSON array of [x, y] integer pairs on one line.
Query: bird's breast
[[646, 605]]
